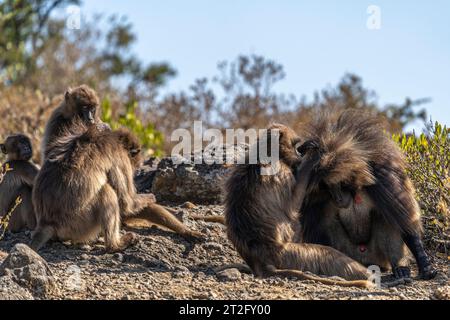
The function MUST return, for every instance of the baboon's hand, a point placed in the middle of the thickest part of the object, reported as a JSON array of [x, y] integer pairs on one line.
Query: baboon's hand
[[402, 272], [150, 197], [307, 147]]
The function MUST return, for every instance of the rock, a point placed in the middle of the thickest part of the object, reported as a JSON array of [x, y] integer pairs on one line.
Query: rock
[[9, 290], [229, 275], [442, 293], [29, 270], [179, 180], [118, 257]]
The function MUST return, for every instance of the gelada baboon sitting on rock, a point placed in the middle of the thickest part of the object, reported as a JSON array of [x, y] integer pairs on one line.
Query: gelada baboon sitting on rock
[[262, 218], [85, 186]]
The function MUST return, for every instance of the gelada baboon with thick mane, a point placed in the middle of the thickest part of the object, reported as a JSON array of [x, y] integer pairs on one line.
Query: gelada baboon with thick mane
[[86, 183], [79, 104], [18, 182], [360, 200], [261, 213], [85, 188]]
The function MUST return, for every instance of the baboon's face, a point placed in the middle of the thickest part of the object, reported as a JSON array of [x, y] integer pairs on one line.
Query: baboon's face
[[82, 102], [341, 195], [135, 155], [17, 147]]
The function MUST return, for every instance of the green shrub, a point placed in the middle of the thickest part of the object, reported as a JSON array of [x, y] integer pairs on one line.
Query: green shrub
[[151, 140], [428, 156]]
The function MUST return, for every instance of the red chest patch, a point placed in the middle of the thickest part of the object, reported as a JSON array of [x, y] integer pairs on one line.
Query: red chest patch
[[362, 248], [358, 199]]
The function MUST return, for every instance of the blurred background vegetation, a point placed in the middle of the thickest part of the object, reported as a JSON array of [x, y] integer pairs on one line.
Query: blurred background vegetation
[[40, 57]]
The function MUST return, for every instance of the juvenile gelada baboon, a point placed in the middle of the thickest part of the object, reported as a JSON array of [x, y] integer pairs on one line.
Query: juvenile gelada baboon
[[360, 200], [18, 182], [86, 187], [261, 213]]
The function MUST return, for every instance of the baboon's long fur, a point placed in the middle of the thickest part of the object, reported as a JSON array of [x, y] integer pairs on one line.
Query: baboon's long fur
[[18, 182], [261, 215], [358, 156]]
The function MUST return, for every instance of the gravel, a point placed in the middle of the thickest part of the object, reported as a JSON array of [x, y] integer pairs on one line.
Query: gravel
[[165, 266]]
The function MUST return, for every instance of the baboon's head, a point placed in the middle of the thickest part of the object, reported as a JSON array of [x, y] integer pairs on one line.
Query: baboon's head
[[131, 143], [17, 147], [290, 144], [81, 102]]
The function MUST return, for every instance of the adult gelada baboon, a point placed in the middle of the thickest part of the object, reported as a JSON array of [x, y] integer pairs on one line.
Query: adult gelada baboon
[[18, 182], [361, 200], [261, 213], [79, 104], [86, 187]]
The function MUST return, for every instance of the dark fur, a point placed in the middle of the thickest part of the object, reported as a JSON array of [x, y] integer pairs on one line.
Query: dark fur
[[261, 215], [18, 182], [359, 161]]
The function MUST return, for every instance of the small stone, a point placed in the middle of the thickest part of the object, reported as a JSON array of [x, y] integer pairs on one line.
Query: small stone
[[84, 257], [229, 275], [118, 257], [442, 293]]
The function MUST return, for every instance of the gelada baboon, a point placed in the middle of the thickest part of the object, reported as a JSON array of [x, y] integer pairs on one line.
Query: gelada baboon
[[18, 181], [154, 213], [261, 213], [79, 104], [86, 187], [360, 201]]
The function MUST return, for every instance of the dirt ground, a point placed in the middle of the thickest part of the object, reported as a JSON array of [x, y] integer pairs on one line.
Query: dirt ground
[[165, 266]]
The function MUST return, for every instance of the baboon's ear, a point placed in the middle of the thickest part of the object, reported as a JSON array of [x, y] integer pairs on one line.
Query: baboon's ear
[[67, 94], [3, 148]]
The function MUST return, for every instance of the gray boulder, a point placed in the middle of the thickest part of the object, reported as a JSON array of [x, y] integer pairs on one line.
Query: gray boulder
[[171, 181], [29, 270]]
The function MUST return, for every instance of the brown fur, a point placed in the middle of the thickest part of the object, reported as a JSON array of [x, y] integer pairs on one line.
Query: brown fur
[[18, 182], [86, 187], [76, 104], [261, 215], [360, 162]]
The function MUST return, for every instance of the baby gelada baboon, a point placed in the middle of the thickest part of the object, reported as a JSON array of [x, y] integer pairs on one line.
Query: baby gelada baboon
[[18, 182], [90, 173], [360, 200], [262, 218]]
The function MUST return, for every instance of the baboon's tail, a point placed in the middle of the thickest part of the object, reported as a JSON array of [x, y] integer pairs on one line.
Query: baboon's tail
[[40, 237], [303, 276], [214, 218]]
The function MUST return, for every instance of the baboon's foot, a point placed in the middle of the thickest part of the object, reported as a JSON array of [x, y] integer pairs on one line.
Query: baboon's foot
[[193, 236], [127, 240], [428, 273], [402, 273]]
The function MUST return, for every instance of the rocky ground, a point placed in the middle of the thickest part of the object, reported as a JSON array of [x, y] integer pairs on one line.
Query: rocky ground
[[165, 266]]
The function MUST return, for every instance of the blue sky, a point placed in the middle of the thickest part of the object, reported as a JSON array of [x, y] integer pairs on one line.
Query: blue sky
[[317, 42]]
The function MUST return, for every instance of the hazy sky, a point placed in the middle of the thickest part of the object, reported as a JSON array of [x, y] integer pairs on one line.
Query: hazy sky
[[317, 42]]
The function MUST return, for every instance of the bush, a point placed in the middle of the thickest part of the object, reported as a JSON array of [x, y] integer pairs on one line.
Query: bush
[[25, 111], [152, 141], [428, 156]]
